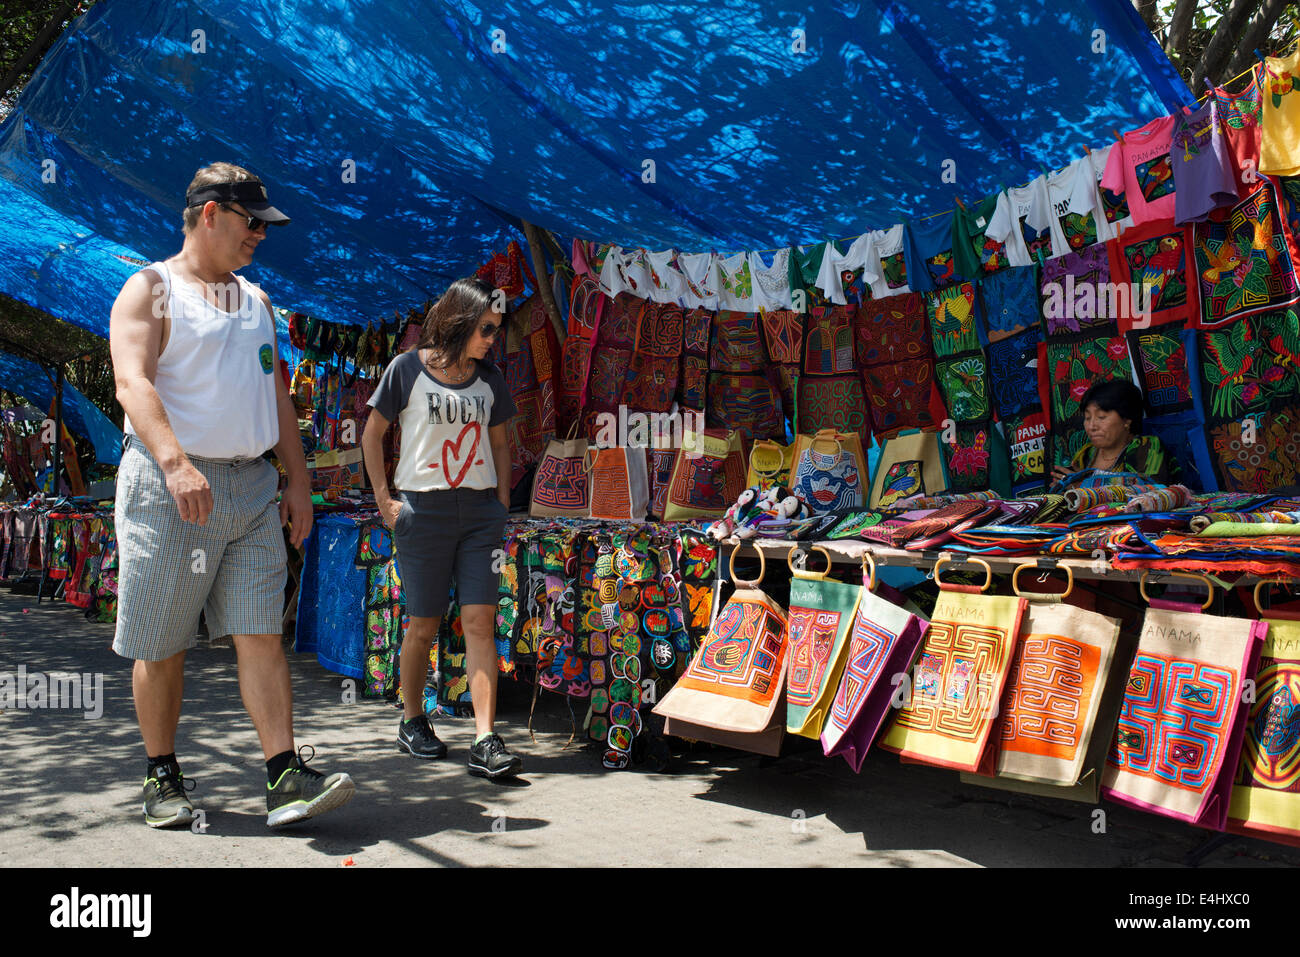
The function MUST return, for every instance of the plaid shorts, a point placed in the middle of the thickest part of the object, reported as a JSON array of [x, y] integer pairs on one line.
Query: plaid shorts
[[233, 569]]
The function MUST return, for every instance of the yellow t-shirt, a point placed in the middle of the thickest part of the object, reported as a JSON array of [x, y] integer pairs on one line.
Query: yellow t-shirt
[[1279, 146]]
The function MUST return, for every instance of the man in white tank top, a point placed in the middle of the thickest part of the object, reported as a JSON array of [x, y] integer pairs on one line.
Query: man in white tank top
[[197, 372]]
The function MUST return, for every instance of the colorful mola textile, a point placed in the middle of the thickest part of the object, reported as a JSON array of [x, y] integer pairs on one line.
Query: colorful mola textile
[[749, 404], [964, 382], [1013, 372], [903, 396], [1049, 710], [1027, 448], [828, 342], [1073, 365], [1257, 453], [958, 681], [827, 402], [1180, 729], [821, 614], [734, 682], [969, 456], [952, 319], [883, 643], [1158, 256], [1243, 260], [891, 330], [1070, 286], [1251, 365], [737, 343], [1266, 793], [1010, 300], [1160, 358]]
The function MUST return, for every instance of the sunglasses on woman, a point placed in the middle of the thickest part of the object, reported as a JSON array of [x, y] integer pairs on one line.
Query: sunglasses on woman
[[488, 330]]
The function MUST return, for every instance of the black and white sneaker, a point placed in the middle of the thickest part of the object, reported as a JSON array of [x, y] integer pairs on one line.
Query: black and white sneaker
[[490, 759], [417, 739], [165, 800], [303, 792]]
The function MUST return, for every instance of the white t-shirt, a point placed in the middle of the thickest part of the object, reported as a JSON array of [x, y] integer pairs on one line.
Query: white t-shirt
[[1025, 223], [444, 427], [665, 282], [859, 255], [884, 258], [771, 283], [701, 280]]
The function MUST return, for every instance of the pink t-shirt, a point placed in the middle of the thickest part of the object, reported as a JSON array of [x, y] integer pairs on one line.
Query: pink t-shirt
[[1141, 169]]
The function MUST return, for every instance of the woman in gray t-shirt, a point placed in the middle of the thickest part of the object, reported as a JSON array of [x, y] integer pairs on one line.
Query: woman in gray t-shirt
[[449, 504]]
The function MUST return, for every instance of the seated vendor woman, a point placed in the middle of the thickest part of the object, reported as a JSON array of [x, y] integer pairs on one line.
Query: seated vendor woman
[[1112, 419]]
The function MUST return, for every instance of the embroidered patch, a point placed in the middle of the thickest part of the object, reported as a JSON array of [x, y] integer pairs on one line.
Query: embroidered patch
[[1013, 373], [828, 349], [952, 319], [1161, 361], [963, 380], [967, 458], [891, 330], [900, 396], [832, 403]]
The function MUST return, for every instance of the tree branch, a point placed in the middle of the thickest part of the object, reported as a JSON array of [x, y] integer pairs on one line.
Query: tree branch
[[1180, 28], [1147, 10], [1256, 36], [1226, 34]]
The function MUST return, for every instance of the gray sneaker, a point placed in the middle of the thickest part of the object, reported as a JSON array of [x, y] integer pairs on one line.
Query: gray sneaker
[[303, 792], [417, 739], [165, 803]]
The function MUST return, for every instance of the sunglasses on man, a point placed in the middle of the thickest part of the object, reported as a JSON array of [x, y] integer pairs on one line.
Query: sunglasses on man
[[252, 222]]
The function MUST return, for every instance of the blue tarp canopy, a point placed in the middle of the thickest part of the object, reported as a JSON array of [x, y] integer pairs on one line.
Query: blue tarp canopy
[[80, 415], [406, 140]]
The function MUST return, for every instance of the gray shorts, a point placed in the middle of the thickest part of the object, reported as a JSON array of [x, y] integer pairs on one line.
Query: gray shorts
[[233, 569], [452, 530]]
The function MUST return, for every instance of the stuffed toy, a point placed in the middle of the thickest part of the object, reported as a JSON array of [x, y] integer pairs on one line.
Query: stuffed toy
[[738, 515]]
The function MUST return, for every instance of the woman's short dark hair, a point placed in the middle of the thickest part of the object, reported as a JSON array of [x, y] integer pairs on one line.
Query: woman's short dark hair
[[1117, 395], [452, 320]]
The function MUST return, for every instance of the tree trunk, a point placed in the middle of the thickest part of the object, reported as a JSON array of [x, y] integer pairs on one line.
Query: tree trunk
[[543, 279], [1255, 37], [1226, 34], [1147, 10], [1180, 28]]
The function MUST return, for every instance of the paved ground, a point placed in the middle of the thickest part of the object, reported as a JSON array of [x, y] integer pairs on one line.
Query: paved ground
[[74, 790]]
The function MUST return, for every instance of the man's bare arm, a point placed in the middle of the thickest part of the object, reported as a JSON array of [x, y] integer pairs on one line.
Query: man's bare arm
[[135, 338], [295, 504]]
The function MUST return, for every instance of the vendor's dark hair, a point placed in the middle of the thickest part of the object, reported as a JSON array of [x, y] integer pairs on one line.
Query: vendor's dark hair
[[1117, 395], [451, 321]]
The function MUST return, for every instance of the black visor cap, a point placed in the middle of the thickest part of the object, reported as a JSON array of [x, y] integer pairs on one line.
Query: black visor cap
[[249, 193]]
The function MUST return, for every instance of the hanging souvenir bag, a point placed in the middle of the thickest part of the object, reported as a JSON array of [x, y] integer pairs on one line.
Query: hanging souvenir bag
[[561, 484], [769, 464], [821, 616], [959, 678], [829, 470], [882, 644], [1266, 793], [909, 464], [708, 475], [620, 489], [1183, 719], [1061, 702], [730, 693]]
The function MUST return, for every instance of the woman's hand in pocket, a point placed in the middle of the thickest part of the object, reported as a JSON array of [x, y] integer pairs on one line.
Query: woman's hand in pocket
[[389, 509]]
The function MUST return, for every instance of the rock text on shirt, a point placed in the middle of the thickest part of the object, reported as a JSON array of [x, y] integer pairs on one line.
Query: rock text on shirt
[[446, 409]]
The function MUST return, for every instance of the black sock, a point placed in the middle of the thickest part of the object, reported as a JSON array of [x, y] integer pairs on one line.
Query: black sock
[[168, 760], [277, 766]]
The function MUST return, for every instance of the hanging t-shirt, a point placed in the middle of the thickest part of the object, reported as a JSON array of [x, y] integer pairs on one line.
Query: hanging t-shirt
[[930, 263], [974, 252], [771, 283], [1279, 145], [1141, 168], [887, 262], [1239, 117], [1026, 224], [701, 278], [666, 283], [624, 272], [735, 287], [444, 427], [1110, 214], [1073, 194], [838, 267], [1203, 175]]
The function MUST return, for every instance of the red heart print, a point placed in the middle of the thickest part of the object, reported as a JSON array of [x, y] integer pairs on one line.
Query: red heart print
[[455, 448]]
